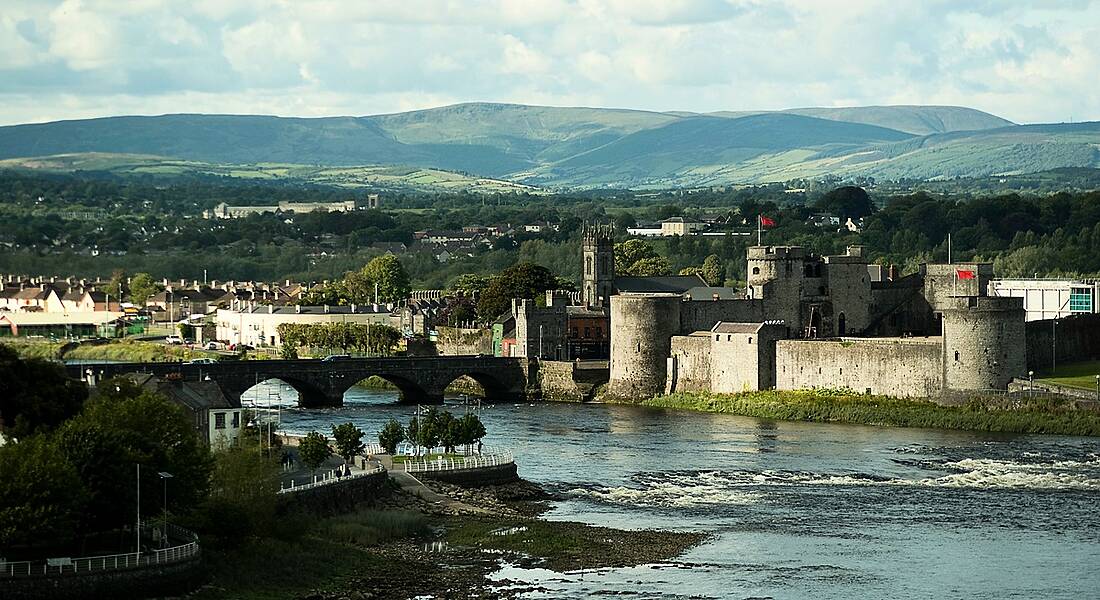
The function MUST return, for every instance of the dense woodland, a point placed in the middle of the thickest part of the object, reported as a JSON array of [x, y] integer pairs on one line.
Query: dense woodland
[[53, 223]]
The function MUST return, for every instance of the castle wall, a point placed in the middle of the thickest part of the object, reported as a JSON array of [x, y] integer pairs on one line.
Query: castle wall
[[541, 330], [689, 365], [849, 291], [1077, 338], [941, 282], [775, 274], [903, 367], [984, 343], [641, 342], [701, 315]]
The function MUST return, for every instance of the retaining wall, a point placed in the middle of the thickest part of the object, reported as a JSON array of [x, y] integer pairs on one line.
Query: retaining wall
[[478, 477], [169, 579], [336, 498]]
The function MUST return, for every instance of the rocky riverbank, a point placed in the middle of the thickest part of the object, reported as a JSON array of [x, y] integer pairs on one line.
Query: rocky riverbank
[[462, 551]]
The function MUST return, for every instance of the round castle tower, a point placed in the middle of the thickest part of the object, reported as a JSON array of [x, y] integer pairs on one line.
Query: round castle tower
[[641, 342], [983, 342], [775, 274]]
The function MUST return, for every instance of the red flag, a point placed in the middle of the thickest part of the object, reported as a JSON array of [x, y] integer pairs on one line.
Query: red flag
[[964, 274], [766, 222]]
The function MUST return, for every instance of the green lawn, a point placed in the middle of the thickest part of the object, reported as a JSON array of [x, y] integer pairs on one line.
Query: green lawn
[[1078, 375]]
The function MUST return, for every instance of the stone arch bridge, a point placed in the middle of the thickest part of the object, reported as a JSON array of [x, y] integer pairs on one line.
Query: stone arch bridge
[[323, 383]]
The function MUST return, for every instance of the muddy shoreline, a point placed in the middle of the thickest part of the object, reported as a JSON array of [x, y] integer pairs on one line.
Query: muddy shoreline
[[464, 549]]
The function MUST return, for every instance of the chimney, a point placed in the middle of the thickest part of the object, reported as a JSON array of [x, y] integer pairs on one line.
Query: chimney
[[287, 283], [164, 282]]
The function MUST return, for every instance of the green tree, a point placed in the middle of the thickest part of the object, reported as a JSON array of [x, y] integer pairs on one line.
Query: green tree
[[391, 434], [116, 287], [243, 500], [714, 272], [384, 273], [313, 450], [449, 433], [522, 280], [348, 440], [41, 495], [412, 433], [471, 429], [35, 395], [630, 252], [123, 425], [651, 267], [847, 201], [187, 331], [142, 287]]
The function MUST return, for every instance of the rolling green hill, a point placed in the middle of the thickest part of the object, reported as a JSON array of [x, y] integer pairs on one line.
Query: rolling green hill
[[505, 145], [375, 177]]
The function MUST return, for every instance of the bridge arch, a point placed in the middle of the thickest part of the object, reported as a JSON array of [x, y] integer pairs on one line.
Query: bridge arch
[[310, 395], [493, 388], [409, 391]]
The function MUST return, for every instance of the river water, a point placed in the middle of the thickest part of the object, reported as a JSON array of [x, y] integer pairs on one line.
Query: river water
[[797, 510]]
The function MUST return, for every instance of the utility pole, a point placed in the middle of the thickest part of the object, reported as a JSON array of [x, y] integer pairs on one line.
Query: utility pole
[[137, 530]]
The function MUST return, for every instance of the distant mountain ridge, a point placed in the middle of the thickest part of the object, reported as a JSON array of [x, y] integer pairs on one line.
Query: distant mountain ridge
[[594, 147]]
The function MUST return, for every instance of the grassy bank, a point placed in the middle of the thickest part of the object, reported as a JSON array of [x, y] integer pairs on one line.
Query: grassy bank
[[322, 553], [136, 351], [1079, 375], [34, 349], [832, 406]]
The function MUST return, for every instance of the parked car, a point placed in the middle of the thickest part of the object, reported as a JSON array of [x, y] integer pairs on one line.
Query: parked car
[[173, 340], [335, 357], [201, 361], [213, 346]]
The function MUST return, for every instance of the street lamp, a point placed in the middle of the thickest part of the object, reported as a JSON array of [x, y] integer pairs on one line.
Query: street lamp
[[1098, 388], [165, 476], [1031, 383]]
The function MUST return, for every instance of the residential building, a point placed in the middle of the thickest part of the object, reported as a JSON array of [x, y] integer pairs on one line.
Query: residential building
[[217, 418], [681, 226], [257, 325]]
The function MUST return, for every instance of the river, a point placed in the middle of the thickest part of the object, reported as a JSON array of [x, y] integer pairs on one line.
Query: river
[[797, 510]]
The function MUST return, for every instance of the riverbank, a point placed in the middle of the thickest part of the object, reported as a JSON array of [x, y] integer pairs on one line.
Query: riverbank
[[841, 406], [121, 350], [405, 547]]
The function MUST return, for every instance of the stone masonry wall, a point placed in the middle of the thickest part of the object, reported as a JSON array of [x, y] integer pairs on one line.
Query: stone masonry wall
[[910, 367], [1077, 338], [689, 365]]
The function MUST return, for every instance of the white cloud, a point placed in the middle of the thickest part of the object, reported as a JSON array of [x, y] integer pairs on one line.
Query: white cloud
[[78, 58]]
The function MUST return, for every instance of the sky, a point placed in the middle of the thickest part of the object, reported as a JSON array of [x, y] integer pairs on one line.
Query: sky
[[1025, 61]]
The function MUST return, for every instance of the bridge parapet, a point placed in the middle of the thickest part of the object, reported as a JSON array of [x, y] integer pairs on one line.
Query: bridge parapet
[[323, 383]]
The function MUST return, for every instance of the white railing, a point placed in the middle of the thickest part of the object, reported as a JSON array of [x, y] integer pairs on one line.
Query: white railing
[[373, 449], [109, 562], [327, 478], [457, 464]]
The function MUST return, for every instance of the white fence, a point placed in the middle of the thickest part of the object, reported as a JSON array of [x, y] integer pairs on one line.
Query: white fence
[[109, 562], [457, 464], [327, 478]]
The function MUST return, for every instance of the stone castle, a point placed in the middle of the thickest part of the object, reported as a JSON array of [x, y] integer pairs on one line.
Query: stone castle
[[809, 321]]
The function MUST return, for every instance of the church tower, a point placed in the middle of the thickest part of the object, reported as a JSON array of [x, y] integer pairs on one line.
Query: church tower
[[598, 248]]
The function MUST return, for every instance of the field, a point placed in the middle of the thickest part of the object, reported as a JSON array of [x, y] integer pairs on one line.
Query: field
[[1079, 375]]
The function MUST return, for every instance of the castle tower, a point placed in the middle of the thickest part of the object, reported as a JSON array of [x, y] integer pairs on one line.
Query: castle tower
[[598, 250], [641, 342], [775, 275], [983, 342]]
